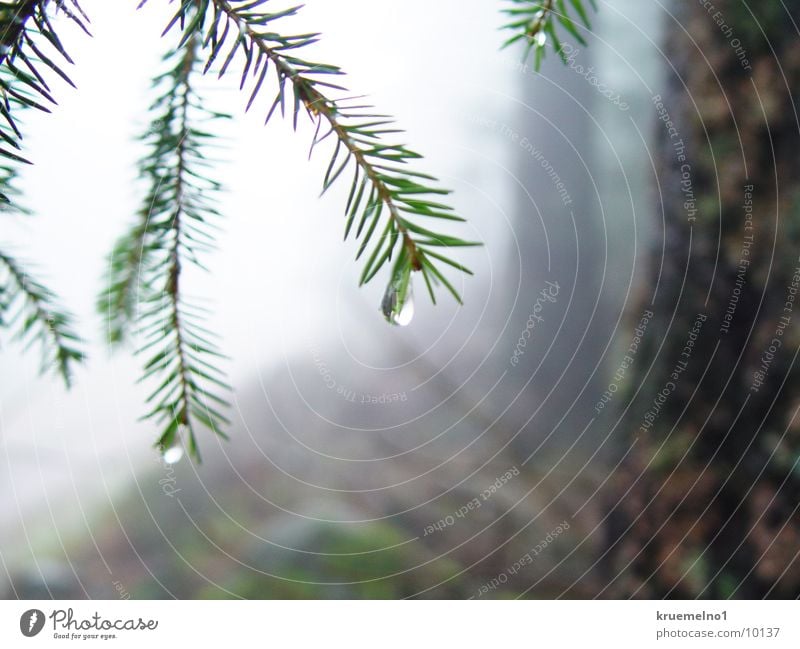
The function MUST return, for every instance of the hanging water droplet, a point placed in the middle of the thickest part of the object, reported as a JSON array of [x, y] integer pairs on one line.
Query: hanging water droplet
[[173, 454], [398, 308], [406, 313]]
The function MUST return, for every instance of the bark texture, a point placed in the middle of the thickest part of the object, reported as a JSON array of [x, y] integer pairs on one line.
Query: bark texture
[[706, 504]]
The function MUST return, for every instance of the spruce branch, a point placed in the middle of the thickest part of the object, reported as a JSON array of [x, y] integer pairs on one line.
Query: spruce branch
[[534, 22], [119, 299], [387, 200], [10, 163], [173, 227], [30, 306], [29, 48], [389, 210]]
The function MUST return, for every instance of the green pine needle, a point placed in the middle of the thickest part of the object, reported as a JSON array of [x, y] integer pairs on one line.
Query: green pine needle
[[385, 188], [174, 226], [533, 22], [394, 211], [29, 307]]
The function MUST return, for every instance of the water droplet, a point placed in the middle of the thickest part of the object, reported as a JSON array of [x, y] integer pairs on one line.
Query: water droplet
[[173, 454], [406, 314], [398, 309]]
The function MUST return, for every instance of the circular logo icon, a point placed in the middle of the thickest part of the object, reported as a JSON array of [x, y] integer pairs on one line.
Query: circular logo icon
[[31, 622]]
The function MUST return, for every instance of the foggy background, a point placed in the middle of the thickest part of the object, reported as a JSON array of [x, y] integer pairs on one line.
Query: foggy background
[[321, 491]]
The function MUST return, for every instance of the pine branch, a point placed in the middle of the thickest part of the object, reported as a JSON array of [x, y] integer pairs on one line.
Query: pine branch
[[124, 289], [534, 22], [10, 164], [26, 36], [29, 49], [26, 302], [10, 193], [173, 227], [386, 199]]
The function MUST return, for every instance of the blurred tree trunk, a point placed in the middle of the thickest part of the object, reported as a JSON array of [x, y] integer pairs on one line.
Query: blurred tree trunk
[[706, 503]]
